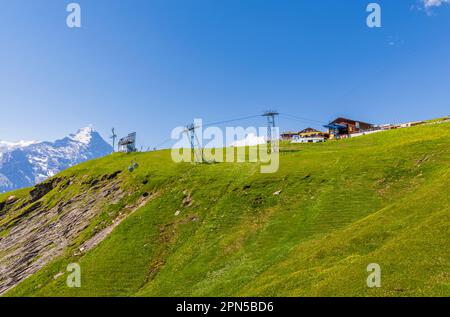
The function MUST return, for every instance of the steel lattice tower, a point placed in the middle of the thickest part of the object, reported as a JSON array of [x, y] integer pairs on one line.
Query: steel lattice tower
[[270, 114]]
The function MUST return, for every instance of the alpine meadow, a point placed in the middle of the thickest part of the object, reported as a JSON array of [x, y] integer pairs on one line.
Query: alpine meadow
[[311, 229], [224, 156]]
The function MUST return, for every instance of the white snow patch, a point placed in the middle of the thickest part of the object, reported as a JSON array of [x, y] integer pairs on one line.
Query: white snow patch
[[250, 140]]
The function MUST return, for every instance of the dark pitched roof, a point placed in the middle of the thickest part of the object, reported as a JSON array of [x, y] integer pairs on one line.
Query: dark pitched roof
[[309, 130], [341, 119]]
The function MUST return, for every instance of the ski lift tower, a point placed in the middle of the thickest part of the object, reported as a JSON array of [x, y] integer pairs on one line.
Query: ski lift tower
[[190, 130], [336, 129], [270, 114]]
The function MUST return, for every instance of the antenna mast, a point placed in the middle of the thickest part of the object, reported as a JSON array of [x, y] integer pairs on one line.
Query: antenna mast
[[113, 137]]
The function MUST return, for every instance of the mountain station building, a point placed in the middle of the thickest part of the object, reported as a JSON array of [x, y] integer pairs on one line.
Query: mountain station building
[[128, 143]]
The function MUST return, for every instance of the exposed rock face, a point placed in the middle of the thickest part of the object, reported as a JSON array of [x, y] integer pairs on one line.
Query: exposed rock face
[[39, 233], [42, 189]]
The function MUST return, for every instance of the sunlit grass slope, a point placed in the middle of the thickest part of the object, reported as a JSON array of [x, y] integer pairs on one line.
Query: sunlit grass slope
[[382, 198]]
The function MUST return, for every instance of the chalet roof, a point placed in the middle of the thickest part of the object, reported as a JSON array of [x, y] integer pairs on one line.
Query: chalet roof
[[308, 130], [341, 119]]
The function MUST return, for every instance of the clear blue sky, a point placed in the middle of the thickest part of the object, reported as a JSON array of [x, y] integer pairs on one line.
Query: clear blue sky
[[151, 65]]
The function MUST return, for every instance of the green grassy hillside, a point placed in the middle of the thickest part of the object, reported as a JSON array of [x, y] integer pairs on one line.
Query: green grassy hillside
[[219, 229]]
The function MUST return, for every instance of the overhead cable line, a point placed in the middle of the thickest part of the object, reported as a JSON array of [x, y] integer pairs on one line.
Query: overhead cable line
[[211, 124], [192, 127], [302, 119], [230, 120], [162, 143]]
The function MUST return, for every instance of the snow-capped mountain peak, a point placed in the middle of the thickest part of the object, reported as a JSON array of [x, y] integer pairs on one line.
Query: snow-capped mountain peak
[[24, 164], [83, 135]]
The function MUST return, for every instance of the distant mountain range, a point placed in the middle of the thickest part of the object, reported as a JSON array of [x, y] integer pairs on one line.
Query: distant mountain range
[[24, 163]]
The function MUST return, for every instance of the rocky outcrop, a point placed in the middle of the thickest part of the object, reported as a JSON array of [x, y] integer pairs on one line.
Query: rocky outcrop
[[37, 233], [42, 189]]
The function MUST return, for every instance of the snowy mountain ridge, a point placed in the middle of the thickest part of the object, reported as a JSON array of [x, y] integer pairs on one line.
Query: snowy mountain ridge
[[26, 163], [9, 146]]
